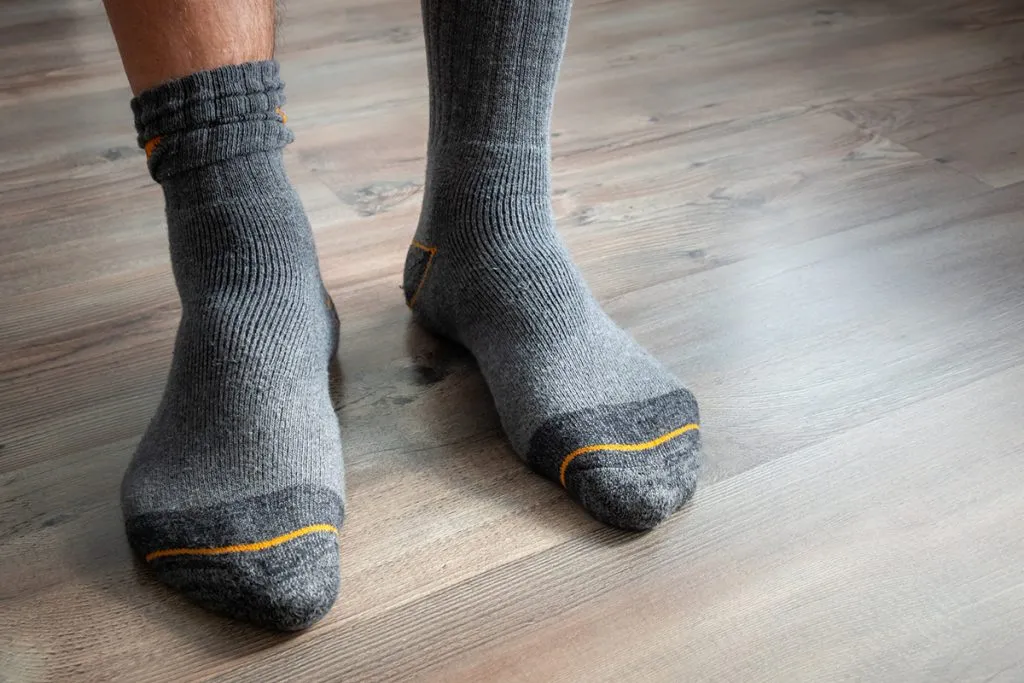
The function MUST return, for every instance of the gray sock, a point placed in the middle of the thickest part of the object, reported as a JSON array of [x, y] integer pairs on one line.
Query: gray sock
[[580, 401], [235, 493]]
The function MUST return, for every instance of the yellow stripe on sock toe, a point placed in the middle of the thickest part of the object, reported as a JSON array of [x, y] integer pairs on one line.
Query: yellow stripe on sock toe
[[630, 447], [245, 547]]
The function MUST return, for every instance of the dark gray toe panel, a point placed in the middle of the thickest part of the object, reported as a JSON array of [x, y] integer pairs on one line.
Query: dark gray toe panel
[[630, 423]]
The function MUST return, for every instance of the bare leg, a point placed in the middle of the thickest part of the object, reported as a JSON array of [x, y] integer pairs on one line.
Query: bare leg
[[235, 494], [161, 41]]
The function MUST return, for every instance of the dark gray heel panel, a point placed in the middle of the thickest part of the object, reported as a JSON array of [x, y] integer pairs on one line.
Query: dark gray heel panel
[[417, 267]]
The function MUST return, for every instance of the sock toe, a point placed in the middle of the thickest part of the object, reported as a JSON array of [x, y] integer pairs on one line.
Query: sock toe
[[270, 559], [637, 496], [630, 465], [286, 588]]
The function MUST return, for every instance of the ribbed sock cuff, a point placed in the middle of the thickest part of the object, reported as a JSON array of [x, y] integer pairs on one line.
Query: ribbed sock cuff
[[211, 116]]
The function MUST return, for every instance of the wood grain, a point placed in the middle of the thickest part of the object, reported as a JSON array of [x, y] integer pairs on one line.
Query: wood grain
[[811, 212]]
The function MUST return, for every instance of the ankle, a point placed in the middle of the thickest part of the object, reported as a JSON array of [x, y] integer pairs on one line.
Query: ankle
[[471, 171], [253, 179], [211, 116]]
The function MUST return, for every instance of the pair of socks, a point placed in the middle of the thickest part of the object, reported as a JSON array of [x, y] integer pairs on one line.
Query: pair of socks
[[235, 495]]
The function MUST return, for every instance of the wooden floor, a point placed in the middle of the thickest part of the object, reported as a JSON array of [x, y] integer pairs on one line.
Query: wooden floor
[[813, 212]]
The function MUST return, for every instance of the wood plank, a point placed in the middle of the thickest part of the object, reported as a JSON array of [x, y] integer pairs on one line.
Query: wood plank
[[973, 123]]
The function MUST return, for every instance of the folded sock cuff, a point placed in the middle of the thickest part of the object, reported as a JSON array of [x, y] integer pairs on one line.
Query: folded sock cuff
[[211, 116]]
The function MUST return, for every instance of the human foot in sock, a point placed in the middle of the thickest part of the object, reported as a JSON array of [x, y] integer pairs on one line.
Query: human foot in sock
[[235, 494], [580, 401]]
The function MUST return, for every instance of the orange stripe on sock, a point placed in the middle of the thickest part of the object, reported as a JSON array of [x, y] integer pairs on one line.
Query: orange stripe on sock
[[280, 112], [151, 145], [244, 547], [632, 447], [423, 278]]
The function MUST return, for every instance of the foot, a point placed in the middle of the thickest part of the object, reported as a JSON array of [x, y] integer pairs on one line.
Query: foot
[[235, 494], [581, 402]]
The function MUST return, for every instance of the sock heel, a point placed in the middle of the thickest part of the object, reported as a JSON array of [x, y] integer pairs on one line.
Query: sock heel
[[417, 282], [335, 323], [418, 261]]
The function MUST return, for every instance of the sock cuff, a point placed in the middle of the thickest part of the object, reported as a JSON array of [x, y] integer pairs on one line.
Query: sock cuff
[[211, 116]]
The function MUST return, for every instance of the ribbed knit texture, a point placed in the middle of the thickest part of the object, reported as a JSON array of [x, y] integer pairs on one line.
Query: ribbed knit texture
[[580, 401], [235, 492]]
